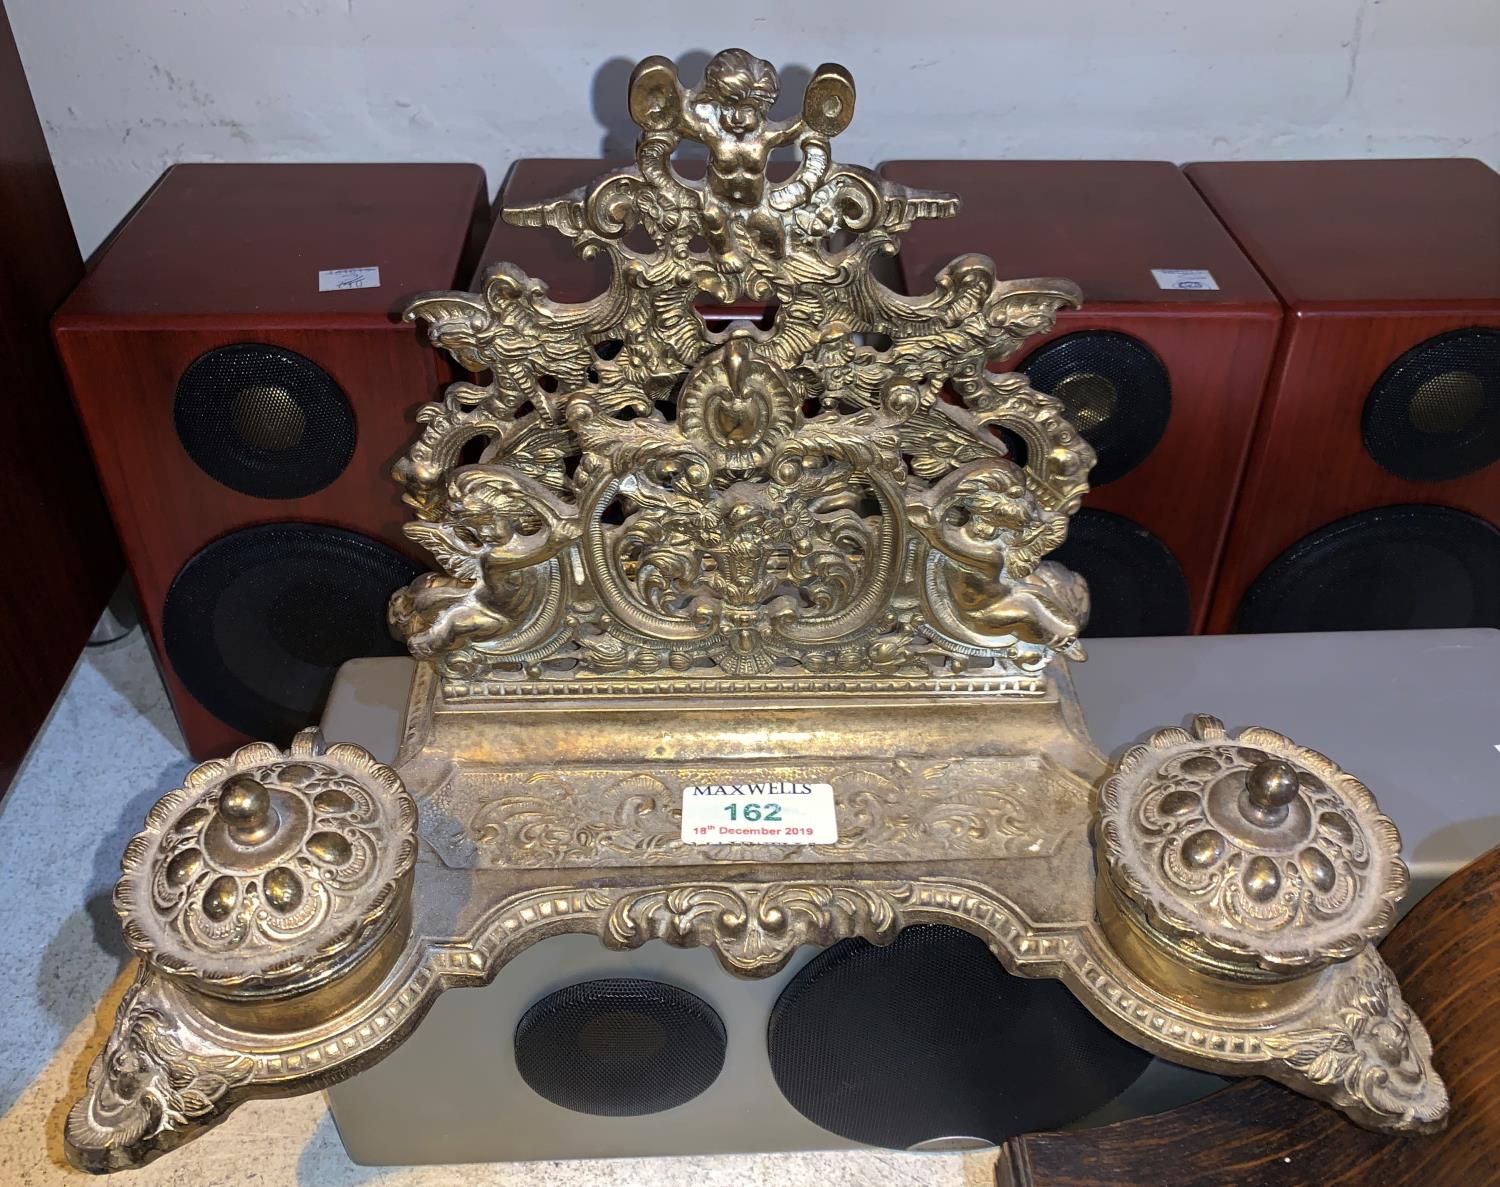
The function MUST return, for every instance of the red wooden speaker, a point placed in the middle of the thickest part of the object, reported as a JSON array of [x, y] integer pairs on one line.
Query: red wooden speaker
[[1162, 370], [1372, 496], [244, 408]]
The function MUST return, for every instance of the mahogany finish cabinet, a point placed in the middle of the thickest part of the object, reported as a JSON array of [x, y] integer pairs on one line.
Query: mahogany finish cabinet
[[1372, 496], [245, 416], [61, 550]]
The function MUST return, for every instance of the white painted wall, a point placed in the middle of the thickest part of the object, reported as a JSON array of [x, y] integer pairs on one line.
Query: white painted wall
[[126, 87]]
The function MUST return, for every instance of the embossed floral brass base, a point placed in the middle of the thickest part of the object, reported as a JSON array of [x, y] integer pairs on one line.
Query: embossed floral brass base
[[806, 554]]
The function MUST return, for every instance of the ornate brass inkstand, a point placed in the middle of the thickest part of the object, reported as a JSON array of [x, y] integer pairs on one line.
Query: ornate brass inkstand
[[802, 555]]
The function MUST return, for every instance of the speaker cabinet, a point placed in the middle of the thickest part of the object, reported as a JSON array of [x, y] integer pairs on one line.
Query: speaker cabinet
[[574, 1051], [1162, 370], [1372, 496], [63, 553], [244, 417]]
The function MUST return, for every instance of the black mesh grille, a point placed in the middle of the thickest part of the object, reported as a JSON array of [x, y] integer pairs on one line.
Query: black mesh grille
[[1435, 413], [264, 421], [1115, 391], [1136, 586], [620, 1047], [1389, 568], [931, 1038], [257, 623]]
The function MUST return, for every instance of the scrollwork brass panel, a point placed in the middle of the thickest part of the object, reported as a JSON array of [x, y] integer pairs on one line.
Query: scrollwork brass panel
[[659, 502]]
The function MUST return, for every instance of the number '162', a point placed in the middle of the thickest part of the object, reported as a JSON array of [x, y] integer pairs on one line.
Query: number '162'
[[753, 811]]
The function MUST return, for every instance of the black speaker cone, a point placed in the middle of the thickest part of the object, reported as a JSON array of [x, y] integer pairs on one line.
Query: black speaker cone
[[930, 1037], [620, 1047], [264, 421], [1114, 391], [1435, 413], [1388, 568], [257, 623], [1136, 586]]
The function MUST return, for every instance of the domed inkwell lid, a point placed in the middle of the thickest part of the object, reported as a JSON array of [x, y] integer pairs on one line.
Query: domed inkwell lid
[[270, 872], [1251, 856]]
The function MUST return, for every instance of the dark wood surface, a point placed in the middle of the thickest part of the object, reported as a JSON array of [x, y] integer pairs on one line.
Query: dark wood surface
[[1342, 233], [59, 547], [1258, 1134], [540, 251], [1105, 225], [1372, 258], [177, 282], [233, 243], [1102, 224]]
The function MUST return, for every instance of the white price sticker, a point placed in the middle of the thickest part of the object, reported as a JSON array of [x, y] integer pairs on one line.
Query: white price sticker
[[1184, 278], [333, 279], [771, 813]]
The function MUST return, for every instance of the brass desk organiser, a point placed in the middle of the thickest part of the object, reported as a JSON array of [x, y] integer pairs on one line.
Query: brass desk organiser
[[799, 554]]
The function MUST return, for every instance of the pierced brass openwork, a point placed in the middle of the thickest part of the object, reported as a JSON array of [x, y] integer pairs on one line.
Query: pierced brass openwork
[[658, 506], [812, 553]]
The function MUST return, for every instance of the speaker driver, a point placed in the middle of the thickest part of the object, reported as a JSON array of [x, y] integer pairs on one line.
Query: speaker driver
[[1435, 412], [257, 623], [931, 1038], [264, 421], [620, 1047], [1114, 391], [1389, 568], [1136, 586]]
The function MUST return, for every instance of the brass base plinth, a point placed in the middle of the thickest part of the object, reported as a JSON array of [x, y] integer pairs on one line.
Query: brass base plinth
[[958, 807]]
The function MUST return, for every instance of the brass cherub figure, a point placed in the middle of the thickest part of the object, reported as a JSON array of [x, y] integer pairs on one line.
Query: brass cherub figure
[[492, 580], [729, 114]]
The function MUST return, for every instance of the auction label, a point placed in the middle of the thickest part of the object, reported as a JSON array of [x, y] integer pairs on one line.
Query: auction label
[[770, 813], [332, 280], [1184, 278]]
